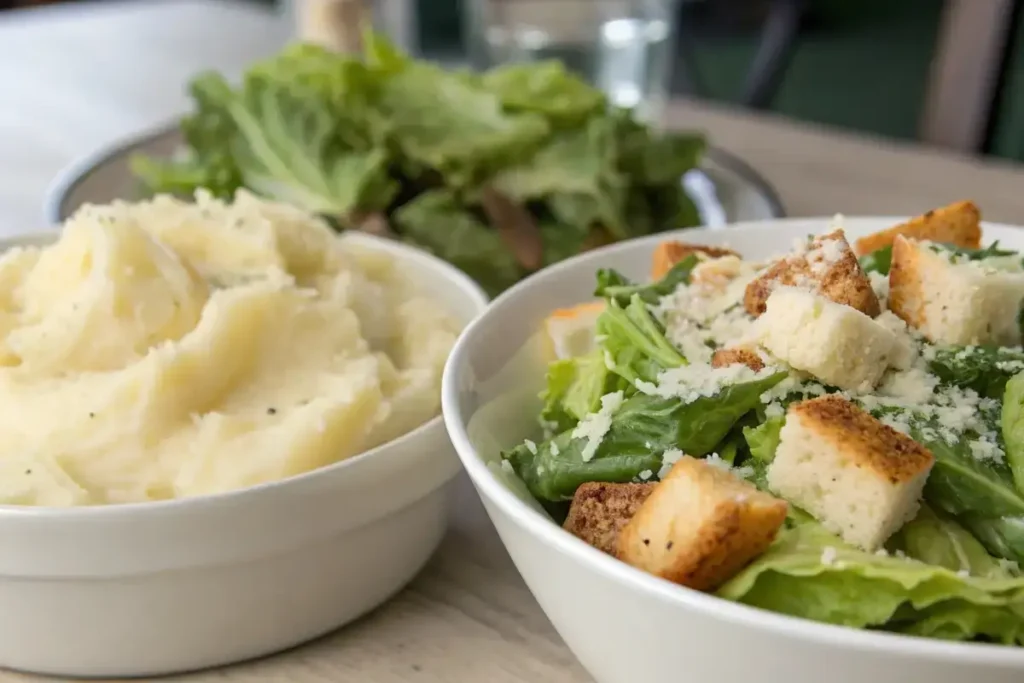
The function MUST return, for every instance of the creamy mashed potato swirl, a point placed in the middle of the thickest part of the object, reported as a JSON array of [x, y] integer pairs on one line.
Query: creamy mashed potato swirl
[[169, 349]]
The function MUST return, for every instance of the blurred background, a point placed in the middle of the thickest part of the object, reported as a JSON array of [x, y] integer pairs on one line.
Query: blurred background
[[948, 73]]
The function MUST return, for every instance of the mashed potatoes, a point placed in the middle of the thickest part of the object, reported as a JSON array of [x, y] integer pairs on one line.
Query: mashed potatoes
[[169, 349]]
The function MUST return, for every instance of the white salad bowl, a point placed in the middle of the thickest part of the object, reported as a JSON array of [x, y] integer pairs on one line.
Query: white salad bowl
[[155, 588], [626, 626]]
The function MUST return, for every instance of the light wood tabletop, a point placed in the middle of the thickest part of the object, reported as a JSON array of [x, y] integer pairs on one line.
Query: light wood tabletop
[[76, 79]]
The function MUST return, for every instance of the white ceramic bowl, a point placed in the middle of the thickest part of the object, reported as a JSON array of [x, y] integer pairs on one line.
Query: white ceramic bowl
[[626, 626], [155, 588]]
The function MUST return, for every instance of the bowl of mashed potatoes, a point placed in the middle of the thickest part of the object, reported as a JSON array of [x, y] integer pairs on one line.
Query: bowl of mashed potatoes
[[220, 432]]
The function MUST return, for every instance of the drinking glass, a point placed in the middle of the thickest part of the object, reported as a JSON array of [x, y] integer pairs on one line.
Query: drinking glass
[[623, 47]]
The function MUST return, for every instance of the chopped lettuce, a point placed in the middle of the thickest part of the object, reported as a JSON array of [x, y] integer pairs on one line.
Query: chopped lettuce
[[983, 369], [574, 388], [634, 342], [419, 146], [810, 573], [1012, 427], [613, 285], [878, 261], [638, 434]]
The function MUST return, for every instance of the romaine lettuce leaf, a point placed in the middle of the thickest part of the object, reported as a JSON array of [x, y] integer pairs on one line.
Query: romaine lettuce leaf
[[1012, 427], [435, 221], [641, 430], [936, 539], [983, 369], [810, 573], [878, 261], [634, 342], [574, 388], [763, 439], [546, 88], [613, 285]]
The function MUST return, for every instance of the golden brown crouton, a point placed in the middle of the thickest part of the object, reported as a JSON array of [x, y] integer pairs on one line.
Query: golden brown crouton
[[906, 295], [958, 224], [860, 478], [700, 526], [953, 303], [866, 442], [828, 267], [737, 356], [668, 254], [599, 510]]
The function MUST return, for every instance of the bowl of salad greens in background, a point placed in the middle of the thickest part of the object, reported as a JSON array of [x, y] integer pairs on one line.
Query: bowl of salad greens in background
[[811, 604], [500, 173]]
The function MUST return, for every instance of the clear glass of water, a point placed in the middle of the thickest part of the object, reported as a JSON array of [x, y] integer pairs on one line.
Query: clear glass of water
[[623, 47]]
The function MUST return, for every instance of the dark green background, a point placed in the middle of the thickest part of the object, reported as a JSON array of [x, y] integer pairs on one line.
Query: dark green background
[[860, 64]]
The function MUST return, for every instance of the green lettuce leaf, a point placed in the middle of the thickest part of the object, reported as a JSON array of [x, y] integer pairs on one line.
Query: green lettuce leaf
[[641, 430], [574, 388], [938, 540], [441, 120], [878, 261], [1012, 427], [546, 88], [207, 161], [960, 483], [983, 369], [763, 440], [810, 573], [1001, 536], [613, 285], [634, 342], [575, 172], [435, 221], [288, 149]]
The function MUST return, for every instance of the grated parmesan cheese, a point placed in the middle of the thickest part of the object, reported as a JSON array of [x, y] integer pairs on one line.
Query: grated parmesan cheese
[[669, 458], [691, 382], [594, 426]]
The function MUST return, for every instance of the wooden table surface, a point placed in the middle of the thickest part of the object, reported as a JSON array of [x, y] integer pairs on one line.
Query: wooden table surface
[[75, 79]]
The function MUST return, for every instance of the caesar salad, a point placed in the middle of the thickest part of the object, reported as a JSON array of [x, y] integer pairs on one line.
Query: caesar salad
[[835, 434]]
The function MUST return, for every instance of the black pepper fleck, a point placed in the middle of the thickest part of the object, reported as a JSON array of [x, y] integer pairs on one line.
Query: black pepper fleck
[[28, 471], [647, 541], [668, 546], [91, 415], [271, 411], [417, 667]]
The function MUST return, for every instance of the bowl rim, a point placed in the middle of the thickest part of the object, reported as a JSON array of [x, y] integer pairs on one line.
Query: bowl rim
[[442, 270], [629, 578]]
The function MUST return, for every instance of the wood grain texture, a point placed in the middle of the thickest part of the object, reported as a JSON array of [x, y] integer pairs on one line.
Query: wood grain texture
[[76, 80]]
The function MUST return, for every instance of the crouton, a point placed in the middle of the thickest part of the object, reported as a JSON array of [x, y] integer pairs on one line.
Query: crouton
[[958, 224], [828, 267], [668, 254], [953, 303], [572, 331], [859, 477], [700, 526], [600, 510], [836, 344], [738, 355]]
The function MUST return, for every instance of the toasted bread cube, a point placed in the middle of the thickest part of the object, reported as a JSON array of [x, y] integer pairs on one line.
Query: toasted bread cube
[[572, 331], [668, 254], [737, 355], [827, 267], [836, 344], [700, 526], [954, 303], [859, 477], [958, 224], [600, 510]]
